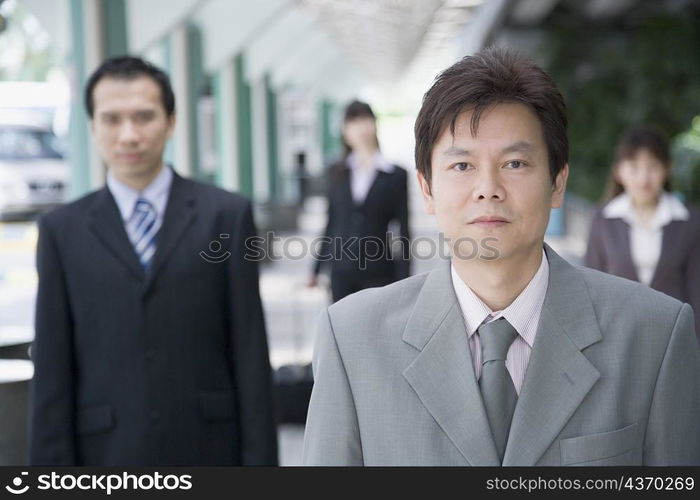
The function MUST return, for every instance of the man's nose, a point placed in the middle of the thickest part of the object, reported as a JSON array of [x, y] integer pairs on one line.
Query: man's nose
[[488, 185], [127, 132]]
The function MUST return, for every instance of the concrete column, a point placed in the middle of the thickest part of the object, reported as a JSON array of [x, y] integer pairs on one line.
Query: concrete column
[[178, 60], [260, 144]]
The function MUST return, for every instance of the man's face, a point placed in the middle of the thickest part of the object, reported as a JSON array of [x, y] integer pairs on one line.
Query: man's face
[[495, 184], [130, 126]]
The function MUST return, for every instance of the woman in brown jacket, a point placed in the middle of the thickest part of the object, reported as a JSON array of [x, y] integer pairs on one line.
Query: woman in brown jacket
[[644, 232]]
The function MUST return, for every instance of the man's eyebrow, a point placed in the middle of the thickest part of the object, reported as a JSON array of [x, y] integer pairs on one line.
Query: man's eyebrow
[[516, 147], [519, 147], [456, 151]]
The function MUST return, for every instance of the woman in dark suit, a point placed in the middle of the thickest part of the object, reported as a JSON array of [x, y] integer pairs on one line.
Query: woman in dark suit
[[644, 233], [365, 194]]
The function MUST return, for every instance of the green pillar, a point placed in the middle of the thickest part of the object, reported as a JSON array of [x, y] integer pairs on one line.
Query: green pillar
[[166, 48], [110, 39], [330, 138], [114, 35], [78, 132], [197, 82], [244, 128], [221, 146], [273, 167], [224, 91]]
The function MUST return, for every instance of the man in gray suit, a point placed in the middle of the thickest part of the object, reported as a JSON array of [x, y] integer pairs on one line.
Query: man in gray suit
[[506, 354]]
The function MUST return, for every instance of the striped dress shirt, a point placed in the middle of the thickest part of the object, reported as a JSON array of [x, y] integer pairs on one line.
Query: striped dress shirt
[[523, 313], [156, 193]]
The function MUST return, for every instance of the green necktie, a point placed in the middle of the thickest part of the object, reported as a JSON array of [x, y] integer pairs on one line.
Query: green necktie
[[497, 389]]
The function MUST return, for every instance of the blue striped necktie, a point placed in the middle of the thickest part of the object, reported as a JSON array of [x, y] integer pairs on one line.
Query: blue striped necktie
[[142, 228]]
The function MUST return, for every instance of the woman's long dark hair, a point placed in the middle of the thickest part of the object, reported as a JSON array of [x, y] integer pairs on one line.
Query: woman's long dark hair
[[356, 109], [631, 143]]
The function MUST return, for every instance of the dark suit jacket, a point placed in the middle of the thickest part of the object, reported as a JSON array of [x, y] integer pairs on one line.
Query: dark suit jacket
[[169, 368], [387, 200], [678, 271]]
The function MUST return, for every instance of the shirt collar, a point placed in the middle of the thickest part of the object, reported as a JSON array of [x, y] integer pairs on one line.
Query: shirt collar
[[378, 162], [126, 196], [518, 313], [668, 209]]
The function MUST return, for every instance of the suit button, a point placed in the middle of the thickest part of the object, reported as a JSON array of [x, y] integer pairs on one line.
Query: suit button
[[154, 415], [150, 355]]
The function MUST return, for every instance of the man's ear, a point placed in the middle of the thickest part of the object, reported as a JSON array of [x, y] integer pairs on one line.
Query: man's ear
[[427, 194], [559, 187], [171, 125]]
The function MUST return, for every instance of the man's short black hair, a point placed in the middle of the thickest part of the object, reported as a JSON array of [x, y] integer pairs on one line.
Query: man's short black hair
[[128, 68], [480, 81]]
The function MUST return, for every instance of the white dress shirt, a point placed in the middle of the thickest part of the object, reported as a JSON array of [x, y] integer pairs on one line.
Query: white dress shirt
[[156, 193], [523, 314], [646, 240], [361, 179]]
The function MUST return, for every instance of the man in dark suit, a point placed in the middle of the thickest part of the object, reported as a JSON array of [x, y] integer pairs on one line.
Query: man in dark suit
[[146, 352]]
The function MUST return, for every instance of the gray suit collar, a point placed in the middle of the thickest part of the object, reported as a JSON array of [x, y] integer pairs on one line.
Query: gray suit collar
[[557, 379]]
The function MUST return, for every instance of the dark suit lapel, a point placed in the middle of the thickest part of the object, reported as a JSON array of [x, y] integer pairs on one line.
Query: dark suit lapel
[[341, 181], [180, 212], [377, 188], [107, 224], [558, 376], [442, 373]]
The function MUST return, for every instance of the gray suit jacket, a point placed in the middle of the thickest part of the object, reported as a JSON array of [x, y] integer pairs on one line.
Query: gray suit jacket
[[614, 378]]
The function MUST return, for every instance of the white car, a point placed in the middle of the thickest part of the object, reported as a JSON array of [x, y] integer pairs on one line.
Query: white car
[[33, 173]]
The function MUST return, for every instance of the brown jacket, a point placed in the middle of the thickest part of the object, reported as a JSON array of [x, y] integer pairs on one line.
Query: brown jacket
[[678, 272]]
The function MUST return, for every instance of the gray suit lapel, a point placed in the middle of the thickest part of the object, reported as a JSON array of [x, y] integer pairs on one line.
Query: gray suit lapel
[[558, 376], [442, 374]]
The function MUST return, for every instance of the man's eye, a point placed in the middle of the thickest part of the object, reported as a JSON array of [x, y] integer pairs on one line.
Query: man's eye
[[143, 117], [515, 164], [110, 119], [461, 166]]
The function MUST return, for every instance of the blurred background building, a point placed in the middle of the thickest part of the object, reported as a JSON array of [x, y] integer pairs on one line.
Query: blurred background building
[[260, 88]]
